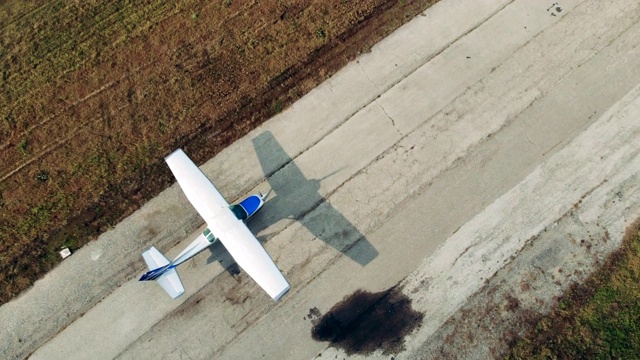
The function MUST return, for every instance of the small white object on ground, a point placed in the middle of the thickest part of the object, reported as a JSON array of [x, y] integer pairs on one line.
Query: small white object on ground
[[65, 253]]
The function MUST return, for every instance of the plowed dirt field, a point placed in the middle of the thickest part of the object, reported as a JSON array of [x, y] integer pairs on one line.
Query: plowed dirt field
[[95, 94]]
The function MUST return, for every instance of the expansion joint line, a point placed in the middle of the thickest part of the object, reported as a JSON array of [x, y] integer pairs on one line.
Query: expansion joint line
[[365, 73]]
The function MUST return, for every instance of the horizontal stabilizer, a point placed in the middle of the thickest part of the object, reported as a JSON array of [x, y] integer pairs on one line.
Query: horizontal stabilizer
[[154, 258], [162, 271], [170, 282]]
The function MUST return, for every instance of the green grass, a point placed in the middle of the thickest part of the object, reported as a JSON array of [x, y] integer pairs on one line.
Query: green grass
[[599, 319]]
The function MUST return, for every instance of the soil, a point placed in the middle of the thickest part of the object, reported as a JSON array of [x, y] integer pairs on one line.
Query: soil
[[95, 95]]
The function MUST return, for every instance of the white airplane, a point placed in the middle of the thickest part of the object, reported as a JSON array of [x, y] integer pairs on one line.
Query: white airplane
[[225, 223]]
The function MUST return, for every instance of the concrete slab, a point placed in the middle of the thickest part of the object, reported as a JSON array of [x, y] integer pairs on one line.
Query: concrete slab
[[583, 182]]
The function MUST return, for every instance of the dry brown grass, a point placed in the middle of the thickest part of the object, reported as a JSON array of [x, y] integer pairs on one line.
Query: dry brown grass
[[597, 319], [95, 94]]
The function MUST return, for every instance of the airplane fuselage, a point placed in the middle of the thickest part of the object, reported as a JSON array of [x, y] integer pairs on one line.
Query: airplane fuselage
[[243, 211], [156, 273]]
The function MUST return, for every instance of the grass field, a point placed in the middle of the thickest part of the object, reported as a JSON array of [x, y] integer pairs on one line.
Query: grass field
[[96, 93], [599, 319]]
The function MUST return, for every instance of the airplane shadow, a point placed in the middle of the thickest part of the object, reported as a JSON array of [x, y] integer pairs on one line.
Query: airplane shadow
[[218, 253], [297, 198]]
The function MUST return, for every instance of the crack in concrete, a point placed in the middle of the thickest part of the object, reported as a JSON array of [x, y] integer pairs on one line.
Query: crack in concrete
[[365, 73], [462, 253], [393, 122]]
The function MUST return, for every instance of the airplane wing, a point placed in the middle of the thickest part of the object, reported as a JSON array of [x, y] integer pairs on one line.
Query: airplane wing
[[170, 282], [195, 185], [233, 233], [249, 254]]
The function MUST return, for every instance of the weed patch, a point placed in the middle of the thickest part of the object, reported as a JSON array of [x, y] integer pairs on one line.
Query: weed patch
[[599, 319]]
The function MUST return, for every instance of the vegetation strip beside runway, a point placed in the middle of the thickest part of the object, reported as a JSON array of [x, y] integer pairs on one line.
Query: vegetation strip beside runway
[[599, 318]]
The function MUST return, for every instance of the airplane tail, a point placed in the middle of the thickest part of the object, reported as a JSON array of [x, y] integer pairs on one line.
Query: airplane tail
[[163, 271]]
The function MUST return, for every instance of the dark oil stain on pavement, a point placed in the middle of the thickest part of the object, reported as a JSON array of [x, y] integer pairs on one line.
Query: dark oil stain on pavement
[[364, 322]]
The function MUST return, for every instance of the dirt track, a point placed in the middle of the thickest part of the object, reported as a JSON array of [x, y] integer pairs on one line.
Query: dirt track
[[96, 94]]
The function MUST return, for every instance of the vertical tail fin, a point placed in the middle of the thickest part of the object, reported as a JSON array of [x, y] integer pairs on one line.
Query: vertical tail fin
[[163, 271]]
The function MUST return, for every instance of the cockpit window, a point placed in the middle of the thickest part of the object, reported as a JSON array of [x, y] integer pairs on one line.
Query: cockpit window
[[239, 212]]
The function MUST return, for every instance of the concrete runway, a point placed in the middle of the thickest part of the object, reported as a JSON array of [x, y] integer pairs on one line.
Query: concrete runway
[[461, 154]]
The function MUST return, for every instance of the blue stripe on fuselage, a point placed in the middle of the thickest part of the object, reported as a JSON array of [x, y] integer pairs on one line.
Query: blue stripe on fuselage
[[156, 273]]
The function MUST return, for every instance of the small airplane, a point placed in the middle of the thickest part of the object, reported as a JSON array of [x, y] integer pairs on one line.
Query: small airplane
[[225, 223]]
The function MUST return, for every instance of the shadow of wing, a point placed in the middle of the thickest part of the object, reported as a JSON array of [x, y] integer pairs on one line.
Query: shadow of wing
[[297, 197]]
